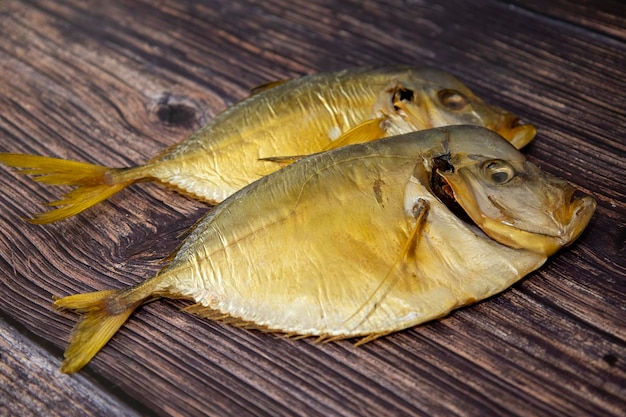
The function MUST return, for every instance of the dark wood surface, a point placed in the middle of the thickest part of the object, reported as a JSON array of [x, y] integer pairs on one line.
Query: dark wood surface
[[115, 82]]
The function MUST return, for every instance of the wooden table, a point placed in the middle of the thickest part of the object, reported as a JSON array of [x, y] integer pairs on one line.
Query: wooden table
[[115, 82]]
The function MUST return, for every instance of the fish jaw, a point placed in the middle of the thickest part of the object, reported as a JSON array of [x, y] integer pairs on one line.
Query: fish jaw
[[508, 125], [516, 132], [552, 217], [575, 215], [509, 235]]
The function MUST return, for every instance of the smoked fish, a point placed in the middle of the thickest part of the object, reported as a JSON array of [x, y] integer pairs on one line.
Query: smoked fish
[[359, 241], [298, 117]]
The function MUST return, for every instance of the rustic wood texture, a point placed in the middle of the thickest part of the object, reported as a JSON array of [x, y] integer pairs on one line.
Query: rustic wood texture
[[115, 82], [26, 373]]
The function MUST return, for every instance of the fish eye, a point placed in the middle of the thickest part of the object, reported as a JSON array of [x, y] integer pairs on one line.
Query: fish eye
[[498, 171], [452, 99]]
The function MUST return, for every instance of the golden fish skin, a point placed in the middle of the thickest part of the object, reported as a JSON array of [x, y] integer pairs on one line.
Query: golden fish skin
[[352, 242], [297, 117]]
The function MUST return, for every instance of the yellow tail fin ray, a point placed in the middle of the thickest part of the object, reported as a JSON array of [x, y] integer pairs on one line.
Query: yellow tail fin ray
[[104, 313], [94, 183]]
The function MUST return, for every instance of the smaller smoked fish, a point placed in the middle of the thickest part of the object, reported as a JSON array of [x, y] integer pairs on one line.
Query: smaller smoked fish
[[299, 117], [359, 241]]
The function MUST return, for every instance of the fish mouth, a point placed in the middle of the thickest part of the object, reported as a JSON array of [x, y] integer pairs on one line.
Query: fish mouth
[[574, 216], [516, 131], [569, 220]]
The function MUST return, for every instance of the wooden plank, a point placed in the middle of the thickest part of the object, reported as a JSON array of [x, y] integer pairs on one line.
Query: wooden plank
[[606, 18], [23, 368], [114, 83]]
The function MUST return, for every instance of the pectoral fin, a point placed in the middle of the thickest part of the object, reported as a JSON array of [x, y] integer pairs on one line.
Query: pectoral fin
[[419, 212], [364, 132]]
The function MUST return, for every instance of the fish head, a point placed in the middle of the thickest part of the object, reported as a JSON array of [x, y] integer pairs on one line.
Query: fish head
[[512, 200], [428, 98]]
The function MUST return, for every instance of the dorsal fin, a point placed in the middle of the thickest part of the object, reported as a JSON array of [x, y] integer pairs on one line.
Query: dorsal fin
[[266, 86]]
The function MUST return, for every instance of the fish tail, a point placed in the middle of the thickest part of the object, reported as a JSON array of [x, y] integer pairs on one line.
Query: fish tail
[[93, 183], [103, 313]]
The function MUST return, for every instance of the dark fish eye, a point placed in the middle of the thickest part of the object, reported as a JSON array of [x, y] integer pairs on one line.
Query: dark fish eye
[[452, 99], [498, 172]]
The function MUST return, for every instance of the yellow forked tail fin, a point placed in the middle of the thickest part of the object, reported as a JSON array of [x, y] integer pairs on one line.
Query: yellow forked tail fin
[[104, 312], [94, 183]]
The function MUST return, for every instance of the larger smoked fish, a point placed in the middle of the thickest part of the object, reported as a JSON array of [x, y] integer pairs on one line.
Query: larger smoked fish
[[359, 241], [298, 117]]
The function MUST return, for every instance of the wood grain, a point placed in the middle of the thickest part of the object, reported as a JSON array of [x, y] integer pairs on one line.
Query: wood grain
[[116, 82], [26, 373]]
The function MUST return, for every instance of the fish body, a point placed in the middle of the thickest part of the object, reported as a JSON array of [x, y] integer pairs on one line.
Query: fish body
[[359, 241], [297, 117]]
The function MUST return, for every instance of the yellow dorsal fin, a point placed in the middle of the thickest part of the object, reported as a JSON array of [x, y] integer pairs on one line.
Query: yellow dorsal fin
[[266, 86], [94, 183], [361, 133], [366, 309]]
